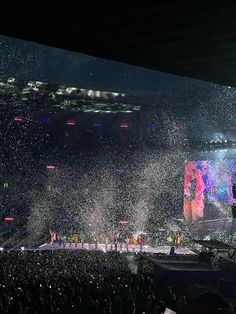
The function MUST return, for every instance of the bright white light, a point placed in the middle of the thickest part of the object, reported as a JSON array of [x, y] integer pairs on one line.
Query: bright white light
[[22, 248], [226, 141], [1, 249]]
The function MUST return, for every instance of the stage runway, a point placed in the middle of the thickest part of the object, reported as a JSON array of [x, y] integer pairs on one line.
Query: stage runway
[[109, 247]]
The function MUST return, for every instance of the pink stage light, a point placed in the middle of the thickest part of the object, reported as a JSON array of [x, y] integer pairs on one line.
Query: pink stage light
[[123, 222], [18, 118], [70, 122], [124, 125], [8, 218], [52, 168]]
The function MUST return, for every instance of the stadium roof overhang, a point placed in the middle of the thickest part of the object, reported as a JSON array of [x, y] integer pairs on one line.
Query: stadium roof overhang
[[195, 39]]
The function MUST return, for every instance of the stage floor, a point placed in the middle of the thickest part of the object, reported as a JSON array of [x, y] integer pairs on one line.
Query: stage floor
[[109, 247]]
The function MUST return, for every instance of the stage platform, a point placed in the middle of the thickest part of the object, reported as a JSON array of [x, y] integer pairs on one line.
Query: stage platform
[[109, 247]]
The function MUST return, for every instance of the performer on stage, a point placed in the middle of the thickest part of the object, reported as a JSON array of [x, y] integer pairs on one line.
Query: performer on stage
[[134, 242], [141, 243], [127, 241], [53, 236], [116, 242], [59, 239], [178, 240], [106, 243], [76, 239], [120, 241]]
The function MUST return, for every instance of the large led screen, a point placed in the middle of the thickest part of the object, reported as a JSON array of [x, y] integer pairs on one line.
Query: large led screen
[[208, 189]]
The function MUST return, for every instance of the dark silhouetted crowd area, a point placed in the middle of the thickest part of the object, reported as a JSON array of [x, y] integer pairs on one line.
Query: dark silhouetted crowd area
[[93, 282]]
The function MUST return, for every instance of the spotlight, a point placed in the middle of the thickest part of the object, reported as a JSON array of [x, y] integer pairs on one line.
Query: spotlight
[[124, 125], [1, 249], [18, 118], [43, 121], [9, 218], [22, 248], [52, 168], [70, 122]]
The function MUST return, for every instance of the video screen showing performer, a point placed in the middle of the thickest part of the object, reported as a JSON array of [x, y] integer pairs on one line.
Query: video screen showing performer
[[208, 189]]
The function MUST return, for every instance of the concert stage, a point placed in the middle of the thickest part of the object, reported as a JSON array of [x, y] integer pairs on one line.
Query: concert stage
[[111, 247]]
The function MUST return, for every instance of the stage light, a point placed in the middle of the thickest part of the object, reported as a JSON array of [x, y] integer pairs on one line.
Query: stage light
[[5, 185], [22, 248], [43, 121], [8, 218], [70, 122], [18, 118], [120, 170], [51, 168], [226, 141], [124, 125], [1, 249]]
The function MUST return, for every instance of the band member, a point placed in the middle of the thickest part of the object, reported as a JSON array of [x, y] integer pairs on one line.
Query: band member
[[120, 241], [70, 238], [141, 243], [76, 239], [64, 241], [127, 241], [106, 243], [115, 242], [59, 239], [169, 239], [53, 236], [133, 243], [178, 240]]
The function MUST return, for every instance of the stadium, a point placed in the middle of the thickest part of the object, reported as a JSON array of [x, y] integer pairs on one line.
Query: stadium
[[117, 182]]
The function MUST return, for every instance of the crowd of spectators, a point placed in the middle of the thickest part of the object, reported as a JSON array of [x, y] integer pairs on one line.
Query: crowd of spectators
[[86, 282]]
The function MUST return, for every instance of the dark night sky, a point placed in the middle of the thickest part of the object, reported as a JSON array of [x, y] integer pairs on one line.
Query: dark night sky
[[29, 60]]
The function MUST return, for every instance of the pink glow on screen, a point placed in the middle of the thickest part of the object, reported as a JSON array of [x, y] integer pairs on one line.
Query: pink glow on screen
[[123, 222], [124, 125], [193, 203], [70, 122], [18, 118]]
